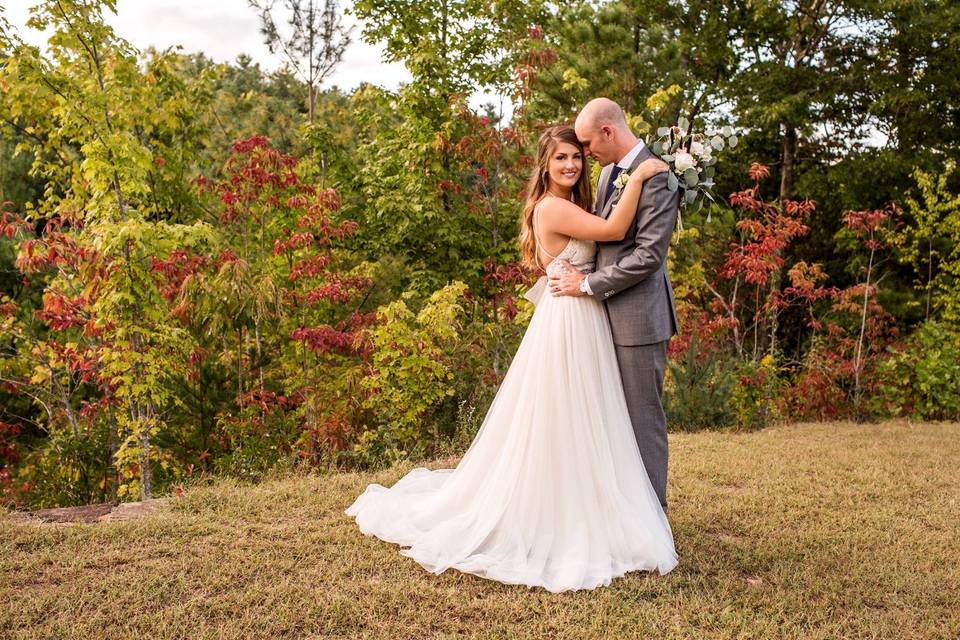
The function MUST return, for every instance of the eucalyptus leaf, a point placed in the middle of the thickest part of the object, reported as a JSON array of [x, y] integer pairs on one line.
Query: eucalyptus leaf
[[732, 141], [727, 131], [709, 172], [695, 206], [684, 124], [690, 177], [672, 183], [663, 131], [667, 157], [690, 195], [716, 142], [657, 148]]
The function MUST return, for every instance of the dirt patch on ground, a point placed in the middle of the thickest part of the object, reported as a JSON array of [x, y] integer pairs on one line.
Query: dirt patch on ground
[[90, 513]]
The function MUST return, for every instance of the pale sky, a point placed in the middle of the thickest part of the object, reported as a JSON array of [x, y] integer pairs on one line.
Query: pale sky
[[221, 29]]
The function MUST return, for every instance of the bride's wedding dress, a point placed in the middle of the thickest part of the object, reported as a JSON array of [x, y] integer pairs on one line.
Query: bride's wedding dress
[[552, 492]]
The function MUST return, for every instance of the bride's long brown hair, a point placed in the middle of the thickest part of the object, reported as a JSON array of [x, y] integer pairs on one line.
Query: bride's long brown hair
[[540, 181]]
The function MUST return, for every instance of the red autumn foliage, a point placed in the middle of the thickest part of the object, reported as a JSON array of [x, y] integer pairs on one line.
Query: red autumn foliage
[[759, 253], [324, 338], [174, 271], [63, 312]]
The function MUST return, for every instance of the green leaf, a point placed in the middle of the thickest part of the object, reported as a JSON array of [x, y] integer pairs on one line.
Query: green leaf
[[672, 183], [690, 177], [732, 141], [663, 132], [684, 124]]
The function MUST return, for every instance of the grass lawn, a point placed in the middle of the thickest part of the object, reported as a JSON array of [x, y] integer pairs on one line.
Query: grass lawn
[[804, 531]]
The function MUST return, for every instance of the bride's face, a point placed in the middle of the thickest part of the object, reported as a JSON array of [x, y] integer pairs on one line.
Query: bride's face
[[565, 165]]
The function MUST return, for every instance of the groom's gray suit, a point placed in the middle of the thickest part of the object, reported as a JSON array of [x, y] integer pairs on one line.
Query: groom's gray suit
[[631, 279]]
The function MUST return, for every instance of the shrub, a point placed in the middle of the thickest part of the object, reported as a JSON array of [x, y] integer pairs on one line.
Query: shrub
[[920, 378], [699, 390], [412, 374], [754, 398]]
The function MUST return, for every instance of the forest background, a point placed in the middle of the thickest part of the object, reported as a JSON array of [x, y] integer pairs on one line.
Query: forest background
[[206, 268]]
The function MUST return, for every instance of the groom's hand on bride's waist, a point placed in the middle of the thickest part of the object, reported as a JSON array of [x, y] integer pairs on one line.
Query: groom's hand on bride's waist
[[567, 283]]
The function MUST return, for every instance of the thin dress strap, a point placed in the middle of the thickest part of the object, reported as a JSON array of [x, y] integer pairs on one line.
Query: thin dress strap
[[536, 237]]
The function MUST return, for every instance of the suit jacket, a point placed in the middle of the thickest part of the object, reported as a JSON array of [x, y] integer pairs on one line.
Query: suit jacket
[[631, 276]]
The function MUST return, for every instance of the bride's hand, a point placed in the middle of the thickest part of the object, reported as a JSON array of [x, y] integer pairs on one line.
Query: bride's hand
[[649, 168]]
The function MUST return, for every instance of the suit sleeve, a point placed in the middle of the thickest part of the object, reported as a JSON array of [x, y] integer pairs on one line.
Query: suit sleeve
[[656, 218]]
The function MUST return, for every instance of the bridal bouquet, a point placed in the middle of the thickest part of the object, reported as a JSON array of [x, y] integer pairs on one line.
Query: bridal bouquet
[[691, 159]]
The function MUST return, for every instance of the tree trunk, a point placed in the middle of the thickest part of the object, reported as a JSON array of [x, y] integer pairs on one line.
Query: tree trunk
[[929, 275], [789, 157], [146, 488], [858, 360], [113, 483]]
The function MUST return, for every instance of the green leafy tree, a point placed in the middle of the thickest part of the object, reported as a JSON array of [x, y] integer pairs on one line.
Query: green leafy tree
[[93, 104], [929, 241], [630, 50], [912, 78], [412, 171], [412, 368]]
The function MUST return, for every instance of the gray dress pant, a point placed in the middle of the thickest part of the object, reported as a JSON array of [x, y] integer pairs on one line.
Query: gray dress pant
[[641, 369]]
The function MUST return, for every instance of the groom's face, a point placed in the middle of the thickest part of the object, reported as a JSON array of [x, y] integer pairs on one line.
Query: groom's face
[[597, 142]]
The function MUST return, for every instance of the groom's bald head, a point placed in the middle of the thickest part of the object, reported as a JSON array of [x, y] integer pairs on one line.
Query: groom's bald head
[[602, 128], [602, 111]]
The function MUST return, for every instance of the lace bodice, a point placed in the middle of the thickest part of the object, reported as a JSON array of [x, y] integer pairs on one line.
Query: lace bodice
[[582, 254]]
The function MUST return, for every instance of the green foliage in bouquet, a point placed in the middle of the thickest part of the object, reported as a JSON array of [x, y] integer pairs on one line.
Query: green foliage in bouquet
[[690, 156]]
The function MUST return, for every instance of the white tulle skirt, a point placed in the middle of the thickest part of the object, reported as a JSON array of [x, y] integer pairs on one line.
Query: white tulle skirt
[[552, 492]]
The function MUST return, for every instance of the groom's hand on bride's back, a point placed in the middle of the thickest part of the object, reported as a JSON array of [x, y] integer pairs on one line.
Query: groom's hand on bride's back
[[567, 283]]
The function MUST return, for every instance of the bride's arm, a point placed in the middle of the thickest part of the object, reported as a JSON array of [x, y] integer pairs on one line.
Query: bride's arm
[[563, 217]]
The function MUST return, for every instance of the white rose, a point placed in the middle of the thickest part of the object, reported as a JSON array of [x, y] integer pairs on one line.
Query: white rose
[[621, 180], [683, 161], [701, 150]]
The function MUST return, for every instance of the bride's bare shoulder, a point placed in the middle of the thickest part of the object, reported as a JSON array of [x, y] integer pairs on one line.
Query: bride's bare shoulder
[[554, 207]]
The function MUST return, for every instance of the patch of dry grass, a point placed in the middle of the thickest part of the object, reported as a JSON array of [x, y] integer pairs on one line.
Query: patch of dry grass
[[807, 531]]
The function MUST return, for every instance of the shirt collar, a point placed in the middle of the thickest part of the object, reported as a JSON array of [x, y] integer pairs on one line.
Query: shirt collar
[[628, 159]]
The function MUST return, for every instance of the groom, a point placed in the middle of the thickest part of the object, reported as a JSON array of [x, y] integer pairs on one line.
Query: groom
[[631, 279]]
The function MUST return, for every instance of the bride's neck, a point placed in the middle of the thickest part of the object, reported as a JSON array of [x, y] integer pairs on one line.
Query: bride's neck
[[559, 192]]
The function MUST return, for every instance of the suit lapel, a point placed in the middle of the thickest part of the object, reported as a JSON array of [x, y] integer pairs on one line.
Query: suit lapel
[[615, 197], [601, 188]]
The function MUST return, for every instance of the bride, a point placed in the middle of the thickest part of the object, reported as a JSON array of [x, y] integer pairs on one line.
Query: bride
[[552, 491]]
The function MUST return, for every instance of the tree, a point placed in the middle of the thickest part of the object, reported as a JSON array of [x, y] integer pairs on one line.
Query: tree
[[108, 127], [912, 78], [316, 43], [929, 240], [630, 50], [413, 168]]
